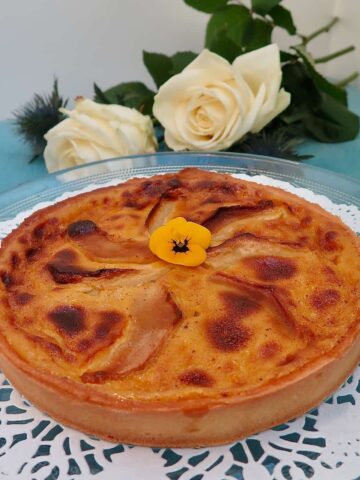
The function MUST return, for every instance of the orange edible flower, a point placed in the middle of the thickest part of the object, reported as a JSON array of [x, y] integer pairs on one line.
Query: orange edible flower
[[181, 242]]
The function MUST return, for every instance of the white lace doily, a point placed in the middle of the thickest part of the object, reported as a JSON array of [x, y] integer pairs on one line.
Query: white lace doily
[[324, 444]]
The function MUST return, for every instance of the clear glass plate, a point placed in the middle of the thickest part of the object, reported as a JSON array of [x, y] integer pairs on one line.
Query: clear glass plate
[[323, 444], [338, 188]]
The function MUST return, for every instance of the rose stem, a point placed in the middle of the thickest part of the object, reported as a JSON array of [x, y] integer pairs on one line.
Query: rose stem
[[331, 56], [348, 80], [307, 38]]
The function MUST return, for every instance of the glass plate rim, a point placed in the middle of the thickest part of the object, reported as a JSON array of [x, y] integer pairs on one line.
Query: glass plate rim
[[191, 153], [339, 188]]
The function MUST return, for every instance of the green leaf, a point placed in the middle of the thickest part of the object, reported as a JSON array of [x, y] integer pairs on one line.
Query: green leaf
[[238, 29], [282, 18], [324, 85], [100, 96], [298, 83], [180, 60], [232, 31], [226, 29], [263, 7], [257, 35], [207, 6], [304, 93], [287, 57], [130, 94], [223, 46], [332, 122], [159, 66], [322, 116]]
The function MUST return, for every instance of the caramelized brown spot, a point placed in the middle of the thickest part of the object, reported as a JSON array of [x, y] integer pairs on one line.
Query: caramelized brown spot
[[221, 187], [46, 229], [331, 276], [133, 204], [330, 236], [81, 227], [131, 200], [38, 231], [23, 298], [152, 188], [84, 344], [63, 270], [197, 377], [173, 189], [329, 241], [239, 305], [31, 253], [15, 260], [174, 183], [68, 319], [110, 320], [95, 377], [288, 359], [325, 298], [269, 349], [54, 349], [51, 347], [227, 334], [225, 214], [70, 274], [272, 268], [7, 279], [306, 221]]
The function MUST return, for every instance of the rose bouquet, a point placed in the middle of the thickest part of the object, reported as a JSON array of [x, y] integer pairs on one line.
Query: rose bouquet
[[241, 93]]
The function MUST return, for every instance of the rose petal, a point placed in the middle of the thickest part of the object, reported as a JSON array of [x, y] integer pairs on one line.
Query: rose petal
[[206, 68], [259, 67], [282, 102], [224, 108]]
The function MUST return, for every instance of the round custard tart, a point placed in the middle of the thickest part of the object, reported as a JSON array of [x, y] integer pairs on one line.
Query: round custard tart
[[107, 337]]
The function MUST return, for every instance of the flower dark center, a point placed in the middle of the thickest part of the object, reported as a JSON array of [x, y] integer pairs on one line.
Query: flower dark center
[[180, 247]]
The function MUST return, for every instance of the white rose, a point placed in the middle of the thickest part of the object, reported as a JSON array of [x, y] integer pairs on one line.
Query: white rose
[[212, 104], [94, 132]]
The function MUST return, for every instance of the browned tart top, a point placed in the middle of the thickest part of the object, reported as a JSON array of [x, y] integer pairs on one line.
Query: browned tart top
[[82, 296]]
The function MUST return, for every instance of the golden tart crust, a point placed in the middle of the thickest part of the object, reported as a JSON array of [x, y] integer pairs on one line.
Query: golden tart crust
[[105, 337]]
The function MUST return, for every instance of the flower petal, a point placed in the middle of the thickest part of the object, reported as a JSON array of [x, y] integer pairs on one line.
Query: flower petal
[[261, 66], [159, 237], [206, 68], [282, 102], [261, 69], [198, 235], [194, 257]]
